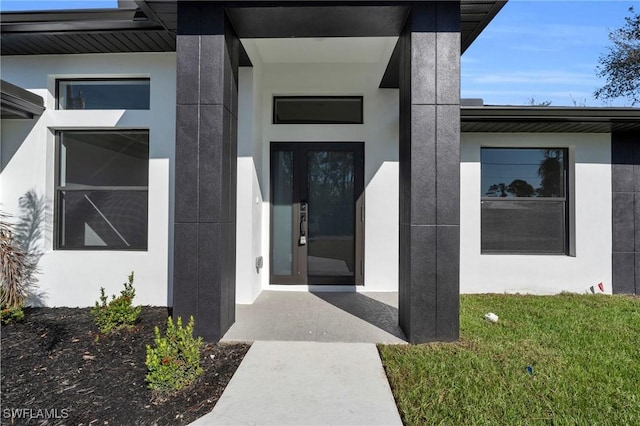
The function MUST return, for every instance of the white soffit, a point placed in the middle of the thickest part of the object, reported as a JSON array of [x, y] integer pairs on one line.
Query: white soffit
[[323, 50]]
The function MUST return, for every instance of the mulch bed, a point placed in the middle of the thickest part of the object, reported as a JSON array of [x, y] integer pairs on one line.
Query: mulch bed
[[56, 364]]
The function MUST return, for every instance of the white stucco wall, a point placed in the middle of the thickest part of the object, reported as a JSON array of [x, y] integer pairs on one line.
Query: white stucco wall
[[590, 164], [250, 203], [73, 278]]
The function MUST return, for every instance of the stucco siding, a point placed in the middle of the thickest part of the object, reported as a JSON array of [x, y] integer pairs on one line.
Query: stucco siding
[[74, 277], [589, 262]]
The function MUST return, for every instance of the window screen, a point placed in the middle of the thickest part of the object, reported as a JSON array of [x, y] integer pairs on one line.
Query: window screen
[[102, 189], [317, 110]]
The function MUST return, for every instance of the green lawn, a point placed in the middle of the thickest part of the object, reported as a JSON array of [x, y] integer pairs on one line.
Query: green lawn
[[583, 350]]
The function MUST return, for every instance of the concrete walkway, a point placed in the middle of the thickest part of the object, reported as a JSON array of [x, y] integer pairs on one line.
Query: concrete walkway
[[307, 383]]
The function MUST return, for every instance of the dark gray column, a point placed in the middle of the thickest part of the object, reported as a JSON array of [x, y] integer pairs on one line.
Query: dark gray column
[[429, 283], [625, 191], [205, 169]]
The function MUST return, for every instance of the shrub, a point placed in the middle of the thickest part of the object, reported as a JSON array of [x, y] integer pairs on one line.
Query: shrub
[[9, 315], [119, 313], [174, 362]]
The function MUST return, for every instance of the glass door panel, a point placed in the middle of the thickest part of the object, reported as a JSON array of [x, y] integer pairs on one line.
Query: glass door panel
[[283, 211], [331, 228]]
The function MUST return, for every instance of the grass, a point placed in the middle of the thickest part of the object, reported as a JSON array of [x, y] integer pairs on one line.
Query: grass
[[583, 350]]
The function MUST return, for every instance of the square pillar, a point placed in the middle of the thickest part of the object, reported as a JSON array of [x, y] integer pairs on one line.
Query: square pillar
[[429, 282], [625, 199], [207, 55]]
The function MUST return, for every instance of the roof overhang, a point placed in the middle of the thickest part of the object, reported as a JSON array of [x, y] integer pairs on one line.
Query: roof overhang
[[17, 102], [526, 119], [151, 25], [82, 31]]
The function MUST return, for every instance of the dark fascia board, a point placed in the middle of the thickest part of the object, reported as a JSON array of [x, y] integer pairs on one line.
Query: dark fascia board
[[549, 114], [304, 19], [74, 20], [514, 119], [17, 102], [391, 77], [470, 37], [140, 15]]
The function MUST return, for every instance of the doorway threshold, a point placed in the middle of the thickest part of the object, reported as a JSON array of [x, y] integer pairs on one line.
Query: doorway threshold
[[351, 317], [317, 288]]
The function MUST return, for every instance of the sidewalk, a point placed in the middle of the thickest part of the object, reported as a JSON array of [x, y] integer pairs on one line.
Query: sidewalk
[[307, 383]]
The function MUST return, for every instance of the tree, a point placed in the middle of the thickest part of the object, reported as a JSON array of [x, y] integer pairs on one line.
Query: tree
[[621, 64], [532, 101], [550, 172], [497, 190], [521, 188]]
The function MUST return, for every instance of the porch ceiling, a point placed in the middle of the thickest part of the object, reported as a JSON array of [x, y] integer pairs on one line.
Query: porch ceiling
[[151, 25], [370, 50]]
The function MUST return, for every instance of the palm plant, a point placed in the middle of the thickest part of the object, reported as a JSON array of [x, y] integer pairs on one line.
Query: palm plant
[[15, 268]]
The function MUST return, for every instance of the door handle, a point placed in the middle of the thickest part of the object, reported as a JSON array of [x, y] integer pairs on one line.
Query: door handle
[[303, 220]]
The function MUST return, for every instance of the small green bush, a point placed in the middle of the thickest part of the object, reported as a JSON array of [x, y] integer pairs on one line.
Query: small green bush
[[119, 313], [9, 315], [174, 362]]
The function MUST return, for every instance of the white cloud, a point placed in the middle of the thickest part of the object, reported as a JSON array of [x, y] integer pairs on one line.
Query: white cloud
[[566, 34], [533, 77]]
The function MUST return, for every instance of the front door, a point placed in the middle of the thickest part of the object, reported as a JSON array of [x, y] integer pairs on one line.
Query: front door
[[317, 220]]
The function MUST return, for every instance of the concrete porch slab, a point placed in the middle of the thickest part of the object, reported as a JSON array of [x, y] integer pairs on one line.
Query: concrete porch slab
[[307, 383], [318, 317]]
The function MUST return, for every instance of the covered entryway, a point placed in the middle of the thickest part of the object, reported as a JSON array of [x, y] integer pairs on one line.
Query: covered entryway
[[425, 67]]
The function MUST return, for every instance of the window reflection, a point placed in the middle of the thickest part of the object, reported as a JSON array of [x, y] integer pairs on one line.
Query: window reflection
[[331, 183], [104, 94], [523, 172]]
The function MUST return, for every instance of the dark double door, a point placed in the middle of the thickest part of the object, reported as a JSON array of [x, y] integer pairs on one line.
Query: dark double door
[[317, 213]]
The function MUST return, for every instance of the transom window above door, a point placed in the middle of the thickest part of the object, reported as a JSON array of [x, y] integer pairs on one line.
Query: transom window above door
[[317, 110]]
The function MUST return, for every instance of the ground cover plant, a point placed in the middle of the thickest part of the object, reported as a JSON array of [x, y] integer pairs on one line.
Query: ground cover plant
[[57, 360], [566, 359]]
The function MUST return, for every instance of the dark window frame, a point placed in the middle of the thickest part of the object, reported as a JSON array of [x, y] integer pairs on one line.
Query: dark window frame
[[90, 79], [58, 189], [566, 200], [274, 110]]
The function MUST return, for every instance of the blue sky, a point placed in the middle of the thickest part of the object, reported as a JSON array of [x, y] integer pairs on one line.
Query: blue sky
[[547, 50], [542, 49]]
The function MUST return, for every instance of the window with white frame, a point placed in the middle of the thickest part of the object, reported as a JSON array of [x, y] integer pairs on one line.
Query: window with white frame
[[102, 179], [524, 200]]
